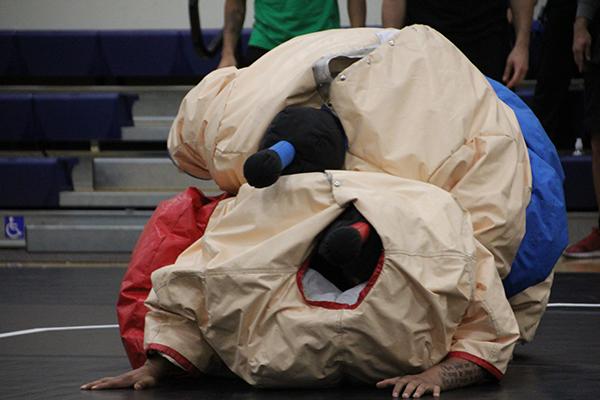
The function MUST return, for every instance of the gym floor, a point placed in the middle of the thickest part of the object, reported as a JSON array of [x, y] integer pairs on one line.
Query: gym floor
[[562, 363]]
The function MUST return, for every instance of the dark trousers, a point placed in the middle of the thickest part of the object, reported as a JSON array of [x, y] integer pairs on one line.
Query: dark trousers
[[487, 53], [252, 54], [556, 69]]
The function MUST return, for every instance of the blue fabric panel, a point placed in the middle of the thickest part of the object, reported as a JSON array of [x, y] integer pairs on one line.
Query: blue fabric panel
[[579, 184], [16, 117], [34, 182], [82, 116], [61, 53], [142, 53], [546, 233]]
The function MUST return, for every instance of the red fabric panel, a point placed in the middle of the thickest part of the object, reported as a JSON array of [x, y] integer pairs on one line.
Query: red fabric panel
[[174, 226]]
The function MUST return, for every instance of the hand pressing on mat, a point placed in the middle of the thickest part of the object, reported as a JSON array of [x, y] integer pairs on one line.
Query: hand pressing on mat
[[451, 373], [147, 376]]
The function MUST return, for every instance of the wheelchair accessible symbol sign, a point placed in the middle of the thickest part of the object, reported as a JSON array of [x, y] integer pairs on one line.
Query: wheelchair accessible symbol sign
[[14, 227]]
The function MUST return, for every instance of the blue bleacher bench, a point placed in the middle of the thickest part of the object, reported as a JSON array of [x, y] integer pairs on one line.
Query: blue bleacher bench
[[104, 53], [34, 182], [64, 117]]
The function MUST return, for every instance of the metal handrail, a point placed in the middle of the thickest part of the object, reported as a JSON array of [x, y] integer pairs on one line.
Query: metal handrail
[[214, 47]]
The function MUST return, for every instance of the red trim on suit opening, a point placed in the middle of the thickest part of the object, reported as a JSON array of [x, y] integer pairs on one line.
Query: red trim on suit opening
[[364, 230], [479, 361], [332, 304], [181, 360]]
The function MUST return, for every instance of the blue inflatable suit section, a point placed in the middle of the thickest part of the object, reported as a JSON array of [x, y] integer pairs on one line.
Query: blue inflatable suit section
[[546, 234]]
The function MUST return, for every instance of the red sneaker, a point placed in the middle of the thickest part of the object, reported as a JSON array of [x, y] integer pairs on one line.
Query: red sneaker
[[588, 247]]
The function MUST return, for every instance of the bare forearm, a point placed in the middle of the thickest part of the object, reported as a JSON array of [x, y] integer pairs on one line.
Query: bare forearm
[[393, 13], [357, 12], [456, 373], [235, 12], [522, 11]]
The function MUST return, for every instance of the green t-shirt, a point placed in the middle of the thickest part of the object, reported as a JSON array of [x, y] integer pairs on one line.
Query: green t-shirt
[[276, 21]]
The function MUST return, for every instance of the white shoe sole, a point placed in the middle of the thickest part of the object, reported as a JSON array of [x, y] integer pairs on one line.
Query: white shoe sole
[[590, 254]]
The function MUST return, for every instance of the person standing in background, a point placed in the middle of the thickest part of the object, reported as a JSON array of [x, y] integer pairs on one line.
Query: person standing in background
[[556, 67], [480, 29], [586, 51], [276, 21]]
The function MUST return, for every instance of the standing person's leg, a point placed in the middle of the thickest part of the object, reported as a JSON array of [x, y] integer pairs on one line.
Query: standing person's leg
[[252, 54], [556, 65], [589, 246], [487, 53], [592, 122]]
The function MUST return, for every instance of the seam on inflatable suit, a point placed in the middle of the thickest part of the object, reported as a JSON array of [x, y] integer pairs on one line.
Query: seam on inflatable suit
[[230, 86], [220, 151], [448, 254], [251, 271]]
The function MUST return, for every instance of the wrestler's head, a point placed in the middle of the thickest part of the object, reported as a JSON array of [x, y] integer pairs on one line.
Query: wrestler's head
[[298, 140]]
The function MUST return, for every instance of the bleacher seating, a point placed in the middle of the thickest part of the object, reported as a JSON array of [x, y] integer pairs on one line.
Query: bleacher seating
[[59, 53], [103, 54], [34, 182], [16, 117], [64, 117]]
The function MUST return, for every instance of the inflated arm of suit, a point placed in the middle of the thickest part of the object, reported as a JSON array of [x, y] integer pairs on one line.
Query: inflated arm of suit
[[172, 328], [488, 331]]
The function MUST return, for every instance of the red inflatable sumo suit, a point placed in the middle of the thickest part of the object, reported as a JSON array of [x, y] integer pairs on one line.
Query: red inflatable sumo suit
[[173, 227]]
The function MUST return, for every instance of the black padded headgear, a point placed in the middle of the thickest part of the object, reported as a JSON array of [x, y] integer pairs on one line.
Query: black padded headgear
[[316, 135]]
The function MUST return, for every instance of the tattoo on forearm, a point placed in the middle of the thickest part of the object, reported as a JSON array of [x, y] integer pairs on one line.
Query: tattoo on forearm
[[455, 375]]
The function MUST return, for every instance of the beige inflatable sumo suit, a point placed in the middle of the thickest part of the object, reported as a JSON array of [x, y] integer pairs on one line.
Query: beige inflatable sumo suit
[[436, 163]]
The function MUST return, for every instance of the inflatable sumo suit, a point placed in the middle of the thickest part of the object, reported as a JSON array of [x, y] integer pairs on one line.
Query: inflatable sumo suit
[[436, 163]]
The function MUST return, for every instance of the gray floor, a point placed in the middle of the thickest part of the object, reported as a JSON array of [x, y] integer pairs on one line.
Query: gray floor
[[563, 362]]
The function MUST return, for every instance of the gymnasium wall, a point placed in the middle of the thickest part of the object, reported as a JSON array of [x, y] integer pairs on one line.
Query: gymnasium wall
[[128, 14]]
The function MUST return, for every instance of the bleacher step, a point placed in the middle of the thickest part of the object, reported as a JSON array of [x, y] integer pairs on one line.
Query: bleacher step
[[82, 238], [78, 231], [580, 224], [148, 128], [144, 174], [105, 199]]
